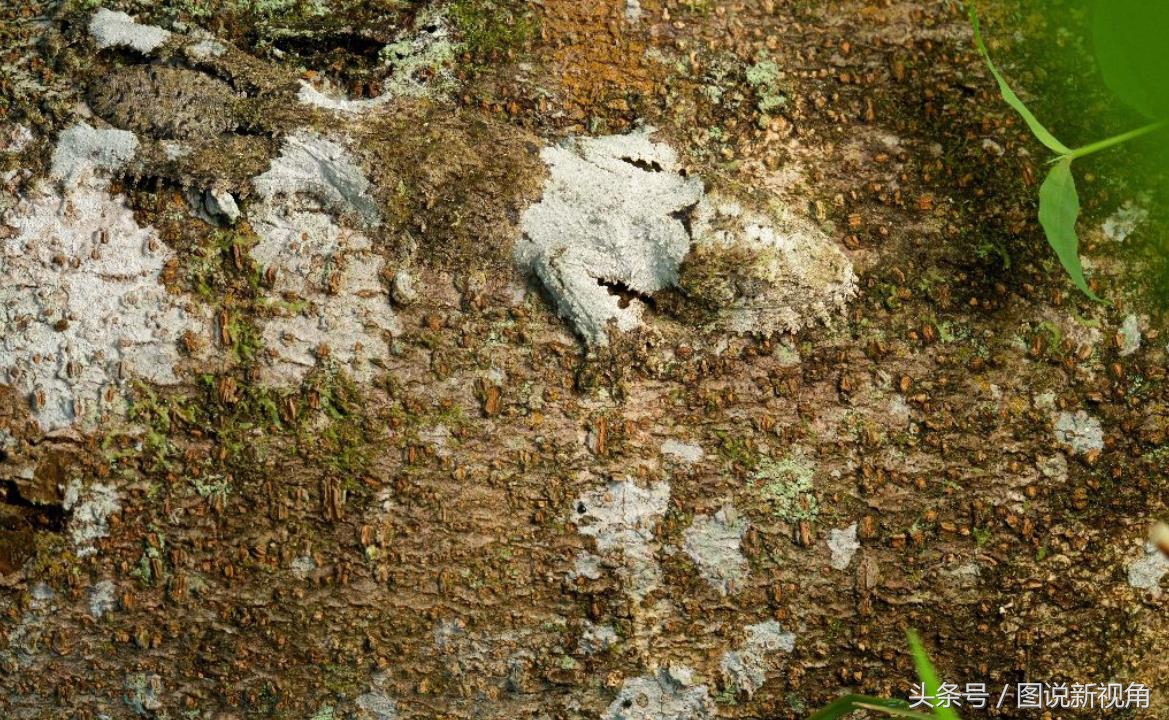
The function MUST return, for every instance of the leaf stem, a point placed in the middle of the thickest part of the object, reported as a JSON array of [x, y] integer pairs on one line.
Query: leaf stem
[[1115, 140]]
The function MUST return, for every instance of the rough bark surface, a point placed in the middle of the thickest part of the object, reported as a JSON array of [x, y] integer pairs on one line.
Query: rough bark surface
[[621, 359]]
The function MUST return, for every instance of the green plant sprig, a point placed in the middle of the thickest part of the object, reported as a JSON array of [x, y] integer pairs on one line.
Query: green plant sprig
[[1059, 203], [892, 707]]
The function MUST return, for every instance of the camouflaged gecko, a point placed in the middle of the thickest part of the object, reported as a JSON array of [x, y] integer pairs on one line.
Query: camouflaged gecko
[[205, 113]]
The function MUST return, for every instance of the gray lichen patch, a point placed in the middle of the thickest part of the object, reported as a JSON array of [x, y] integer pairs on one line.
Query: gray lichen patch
[[377, 703], [596, 638], [419, 62], [310, 164], [102, 598], [1124, 222], [668, 694], [1128, 337], [621, 516], [110, 28], [438, 439], [713, 543], [82, 304], [1080, 432], [632, 10], [1054, 467], [90, 508], [746, 668], [375, 706], [14, 138], [82, 149], [613, 213], [420, 58], [1145, 572], [330, 302], [27, 637], [403, 289], [786, 485], [843, 544], [767, 271], [206, 49], [144, 693]]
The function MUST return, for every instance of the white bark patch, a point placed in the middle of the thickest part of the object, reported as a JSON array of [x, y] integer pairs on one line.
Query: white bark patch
[[665, 695], [843, 545], [83, 307], [713, 543], [685, 453], [315, 166], [82, 150], [331, 300], [748, 666], [310, 95], [621, 516], [110, 28], [586, 565]]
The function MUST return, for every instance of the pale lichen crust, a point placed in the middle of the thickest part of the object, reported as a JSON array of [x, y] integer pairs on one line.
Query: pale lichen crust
[[83, 307]]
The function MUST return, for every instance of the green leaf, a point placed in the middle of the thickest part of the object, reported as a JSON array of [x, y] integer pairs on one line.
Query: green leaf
[[849, 704], [928, 675], [1129, 39], [1059, 206], [1041, 133]]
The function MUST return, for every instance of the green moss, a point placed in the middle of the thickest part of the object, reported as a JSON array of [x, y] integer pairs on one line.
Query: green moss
[[738, 450], [698, 7], [264, 8], [143, 571], [343, 445], [981, 535], [491, 28], [728, 696], [344, 680]]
